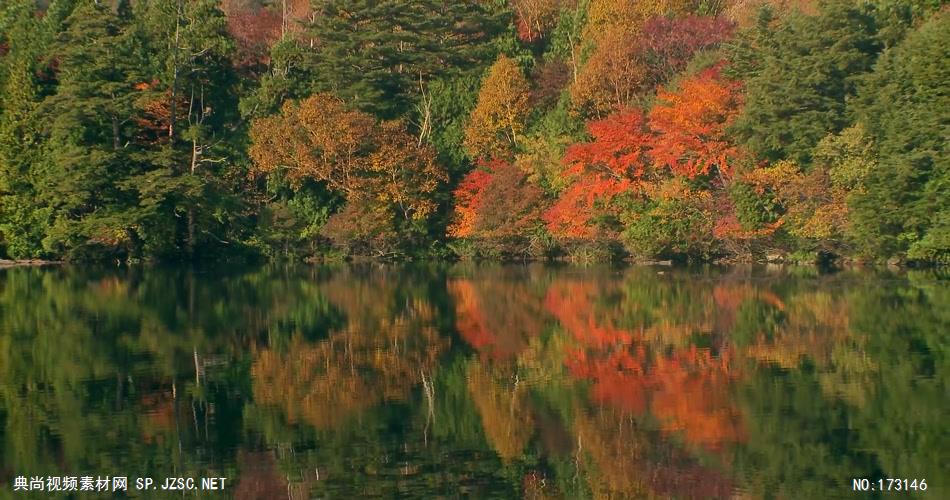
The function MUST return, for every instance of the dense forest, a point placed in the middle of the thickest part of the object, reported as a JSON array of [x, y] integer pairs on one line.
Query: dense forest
[[581, 129]]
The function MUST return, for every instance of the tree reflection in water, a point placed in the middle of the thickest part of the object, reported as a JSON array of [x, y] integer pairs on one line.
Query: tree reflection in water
[[532, 381]]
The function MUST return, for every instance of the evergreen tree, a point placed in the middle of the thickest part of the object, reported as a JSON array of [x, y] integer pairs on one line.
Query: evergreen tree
[[903, 105], [800, 80], [88, 120], [287, 78], [23, 38], [377, 54], [745, 51], [190, 109]]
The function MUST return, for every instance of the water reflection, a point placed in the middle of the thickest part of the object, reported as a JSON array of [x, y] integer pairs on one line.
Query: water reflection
[[485, 380]]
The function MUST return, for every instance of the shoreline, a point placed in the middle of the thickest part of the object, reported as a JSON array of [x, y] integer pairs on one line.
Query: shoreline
[[4, 263], [836, 263]]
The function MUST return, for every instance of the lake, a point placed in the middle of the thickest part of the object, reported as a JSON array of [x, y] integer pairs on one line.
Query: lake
[[486, 381]]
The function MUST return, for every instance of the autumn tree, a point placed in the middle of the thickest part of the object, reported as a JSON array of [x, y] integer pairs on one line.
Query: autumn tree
[[612, 163], [606, 15], [499, 210], [378, 168], [469, 196], [690, 126], [611, 77], [541, 159], [669, 43], [549, 79], [255, 29], [614, 72], [497, 121], [325, 145], [816, 201], [620, 180]]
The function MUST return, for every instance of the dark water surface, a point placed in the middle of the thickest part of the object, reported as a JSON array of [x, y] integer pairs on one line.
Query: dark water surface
[[487, 381]]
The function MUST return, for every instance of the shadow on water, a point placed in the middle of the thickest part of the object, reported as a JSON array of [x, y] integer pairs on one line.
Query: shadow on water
[[489, 380]]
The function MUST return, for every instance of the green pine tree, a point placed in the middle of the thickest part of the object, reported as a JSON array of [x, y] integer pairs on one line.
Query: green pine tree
[[87, 128], [188, 195], [904, 107], [800, 78], [377, 55]]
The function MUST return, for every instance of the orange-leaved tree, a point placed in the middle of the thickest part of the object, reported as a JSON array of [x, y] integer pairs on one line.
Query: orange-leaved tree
[[611, 164], [614, 73], [379, 169], [320, 139], [316, 138], [497, 201], [469, 196], [690, 125], [605, 15], [611, 77]]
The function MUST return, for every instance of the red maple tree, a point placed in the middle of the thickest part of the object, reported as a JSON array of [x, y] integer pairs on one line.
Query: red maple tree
[[613, 162]]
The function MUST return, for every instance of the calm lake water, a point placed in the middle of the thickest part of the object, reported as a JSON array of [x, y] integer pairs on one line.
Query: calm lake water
[[486, 381]]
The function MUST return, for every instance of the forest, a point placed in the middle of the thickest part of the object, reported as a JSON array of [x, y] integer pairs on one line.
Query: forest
[[686, 130]]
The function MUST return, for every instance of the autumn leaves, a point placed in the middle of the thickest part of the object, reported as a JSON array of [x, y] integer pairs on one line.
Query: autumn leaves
[[386, 178], [630, 155], [653, 130]]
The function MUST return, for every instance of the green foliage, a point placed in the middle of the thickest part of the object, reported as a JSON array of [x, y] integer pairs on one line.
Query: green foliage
[[120, 118], [287, 79], [902, 106], [85, 132], [813, 63], [452, 101], [669, 226], [290, 225], [745, 51], [559, 122], [895, 18], [848, 157], [566, 42], [754, 210], [375, 55], [23, 219], [541, 160]]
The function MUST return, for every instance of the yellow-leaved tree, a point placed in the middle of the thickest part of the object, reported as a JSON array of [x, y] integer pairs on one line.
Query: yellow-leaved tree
[[387, 179], [498, 118], [614, 70]]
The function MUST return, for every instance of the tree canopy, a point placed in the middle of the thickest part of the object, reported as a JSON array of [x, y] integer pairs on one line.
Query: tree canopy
[[402, 129]]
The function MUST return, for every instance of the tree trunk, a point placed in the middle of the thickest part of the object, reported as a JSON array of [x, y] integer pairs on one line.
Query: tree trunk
[[116, 140], [174, 89]]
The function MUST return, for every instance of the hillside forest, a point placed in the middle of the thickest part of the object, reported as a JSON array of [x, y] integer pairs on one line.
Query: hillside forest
[[690, 130]]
